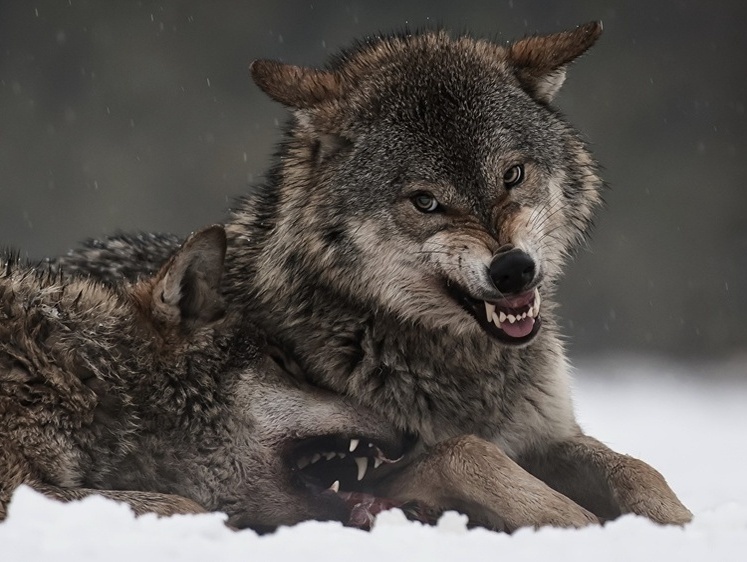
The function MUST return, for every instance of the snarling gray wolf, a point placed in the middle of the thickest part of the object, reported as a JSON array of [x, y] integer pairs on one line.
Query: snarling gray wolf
[[404, 251], [131, 394]]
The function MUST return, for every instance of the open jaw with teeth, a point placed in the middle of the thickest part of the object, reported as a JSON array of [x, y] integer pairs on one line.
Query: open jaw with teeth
[[517, 318], [347, 468]]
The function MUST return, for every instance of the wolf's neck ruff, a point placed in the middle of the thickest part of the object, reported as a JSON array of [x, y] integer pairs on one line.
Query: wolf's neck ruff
[[434, 382]]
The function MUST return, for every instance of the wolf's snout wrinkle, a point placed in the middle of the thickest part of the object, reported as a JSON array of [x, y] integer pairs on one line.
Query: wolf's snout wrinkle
[[512, 272]]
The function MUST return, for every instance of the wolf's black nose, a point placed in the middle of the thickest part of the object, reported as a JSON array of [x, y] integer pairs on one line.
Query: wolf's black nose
[[512, 272]]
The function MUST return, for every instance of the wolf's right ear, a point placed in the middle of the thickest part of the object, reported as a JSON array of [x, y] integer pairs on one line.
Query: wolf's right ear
[[539, 62], [187, 291], [295, 86]]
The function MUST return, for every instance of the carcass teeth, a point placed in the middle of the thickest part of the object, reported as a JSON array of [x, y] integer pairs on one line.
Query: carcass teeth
[[489, 311], [329, 456], [335, 487], [354, 444], [303, 462], [362, 463]]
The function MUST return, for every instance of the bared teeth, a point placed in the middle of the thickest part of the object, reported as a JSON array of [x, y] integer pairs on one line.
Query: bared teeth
[[377, 462], [362, 463], [328, 456], [498, 317], [354, 444], [335, 487], [489, 310]]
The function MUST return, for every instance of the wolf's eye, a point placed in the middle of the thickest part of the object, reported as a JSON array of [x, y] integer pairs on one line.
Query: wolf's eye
[[513, 176], [425, 202]]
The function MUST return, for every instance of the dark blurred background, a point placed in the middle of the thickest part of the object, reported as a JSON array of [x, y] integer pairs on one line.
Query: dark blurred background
[[142, 116]]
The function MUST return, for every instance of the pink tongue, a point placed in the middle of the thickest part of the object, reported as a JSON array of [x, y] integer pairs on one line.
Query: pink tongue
[[519, 329]]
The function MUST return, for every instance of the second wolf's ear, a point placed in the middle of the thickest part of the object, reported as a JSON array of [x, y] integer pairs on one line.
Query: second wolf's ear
[[295, 86], [187, 290], [539, 62]]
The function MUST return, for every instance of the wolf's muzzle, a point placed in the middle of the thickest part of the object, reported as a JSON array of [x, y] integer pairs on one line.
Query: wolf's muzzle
[[512, 272]]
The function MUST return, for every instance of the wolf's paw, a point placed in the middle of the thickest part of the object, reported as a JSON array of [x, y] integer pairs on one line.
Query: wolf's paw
[[534, 504], [643, 490], [659, 504]]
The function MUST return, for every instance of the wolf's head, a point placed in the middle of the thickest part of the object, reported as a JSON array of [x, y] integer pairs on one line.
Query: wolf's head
[[430, 177]]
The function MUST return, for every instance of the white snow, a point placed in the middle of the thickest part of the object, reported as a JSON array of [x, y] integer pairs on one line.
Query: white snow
[[687, 421]]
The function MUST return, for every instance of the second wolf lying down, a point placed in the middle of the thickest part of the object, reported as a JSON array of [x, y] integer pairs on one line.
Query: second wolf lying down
[[130, 393]]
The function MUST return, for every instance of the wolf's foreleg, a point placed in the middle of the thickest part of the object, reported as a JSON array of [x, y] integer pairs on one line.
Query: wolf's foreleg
[[476, 477], [607, 483]]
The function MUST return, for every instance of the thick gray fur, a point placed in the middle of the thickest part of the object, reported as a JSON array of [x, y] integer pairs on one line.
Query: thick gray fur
[[365, 294]]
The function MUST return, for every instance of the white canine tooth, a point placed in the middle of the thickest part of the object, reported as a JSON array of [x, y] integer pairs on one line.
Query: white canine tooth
[[530, 312], [502, 317], [489, 310], [335, 487], [537, 301], [496, 320], [354, 444], [315, 457], [511, 318], [377, 462], [302, 462], [329, 456], [362, 463]]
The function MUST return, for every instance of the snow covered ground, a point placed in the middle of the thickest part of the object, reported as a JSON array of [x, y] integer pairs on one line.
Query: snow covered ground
[[688, 421]]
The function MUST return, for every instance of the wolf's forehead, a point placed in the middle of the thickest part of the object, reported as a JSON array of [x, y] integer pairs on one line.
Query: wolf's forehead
[[464, 121], [451, 94]]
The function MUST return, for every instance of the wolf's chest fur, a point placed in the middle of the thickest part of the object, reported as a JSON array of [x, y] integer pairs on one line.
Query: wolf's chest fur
[[434, 383]]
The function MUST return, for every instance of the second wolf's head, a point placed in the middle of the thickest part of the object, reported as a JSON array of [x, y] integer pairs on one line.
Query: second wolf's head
[[430, 177]]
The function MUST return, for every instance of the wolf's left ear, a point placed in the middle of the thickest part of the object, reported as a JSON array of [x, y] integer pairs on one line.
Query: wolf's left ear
[[540, 62], [187, 290], [295, 86]]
